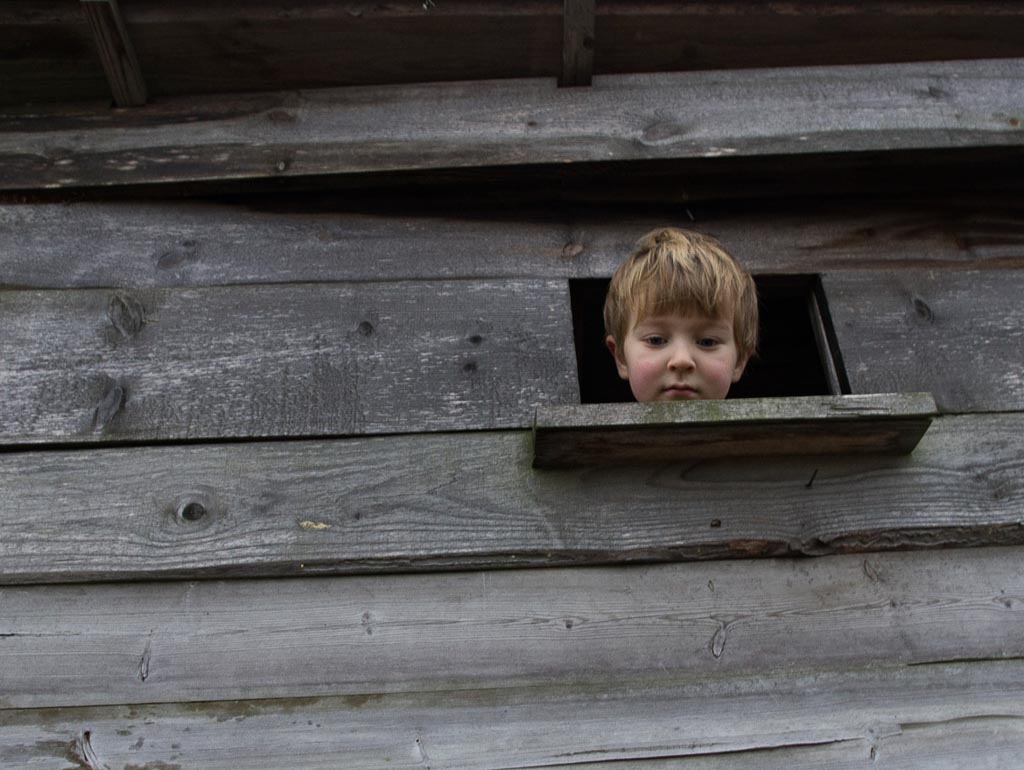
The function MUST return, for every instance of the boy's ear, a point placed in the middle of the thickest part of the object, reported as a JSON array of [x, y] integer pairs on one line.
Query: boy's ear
[[740, 366], [620, 362]]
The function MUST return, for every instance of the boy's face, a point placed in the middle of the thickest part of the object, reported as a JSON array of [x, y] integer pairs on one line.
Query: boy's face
[[675, 358]]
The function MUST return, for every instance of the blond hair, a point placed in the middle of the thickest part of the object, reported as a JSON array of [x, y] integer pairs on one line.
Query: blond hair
[[678, 271]]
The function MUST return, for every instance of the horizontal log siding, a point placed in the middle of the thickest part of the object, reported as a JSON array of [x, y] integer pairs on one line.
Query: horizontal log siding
[[221, 640], [295, 360], [792, 111], [342, 359], [472, 500], [959, 335], [295, 239], [963, 713]]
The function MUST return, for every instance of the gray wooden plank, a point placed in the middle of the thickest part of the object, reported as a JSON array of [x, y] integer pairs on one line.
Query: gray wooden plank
[[195, 243], [116, 51], [832, 718], [472, 500], [515, 122], [958, 335], [585, 435], [987, 743], [295, 360], [119, 643]]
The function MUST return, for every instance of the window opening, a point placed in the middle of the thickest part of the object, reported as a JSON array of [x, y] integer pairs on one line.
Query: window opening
[[797, 351]]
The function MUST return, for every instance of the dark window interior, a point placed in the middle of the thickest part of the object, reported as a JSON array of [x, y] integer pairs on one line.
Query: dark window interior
[[797, 353]]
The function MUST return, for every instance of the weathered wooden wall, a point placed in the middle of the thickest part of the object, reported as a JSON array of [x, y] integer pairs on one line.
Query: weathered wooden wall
[[234, 46], [269, 363]]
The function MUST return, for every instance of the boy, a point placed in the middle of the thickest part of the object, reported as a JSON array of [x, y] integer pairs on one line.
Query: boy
[[681, 317]]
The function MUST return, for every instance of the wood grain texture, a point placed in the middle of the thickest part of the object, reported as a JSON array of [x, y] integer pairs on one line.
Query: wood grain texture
[[198, 47], [988, 743], [517, 122], [933, 713], [617, 434], [295, 360], [196, 243], [472, 500], [577, 43], [116, 52], [120, 643], [958, 335]]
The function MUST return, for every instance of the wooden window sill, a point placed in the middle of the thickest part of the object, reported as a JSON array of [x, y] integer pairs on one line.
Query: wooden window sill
[[583, 435]]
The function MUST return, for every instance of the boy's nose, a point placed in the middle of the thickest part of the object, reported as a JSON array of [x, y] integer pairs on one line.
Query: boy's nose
[[681, 357]]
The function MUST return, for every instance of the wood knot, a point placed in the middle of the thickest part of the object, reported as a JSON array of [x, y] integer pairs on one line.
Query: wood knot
[[934, 92], [663, 132], [718, 640], [178, 255], [126, 314], [195, 508], [366, 328], [191, 511], [923, 311], [572, 250], [281, 116], [110, 404]]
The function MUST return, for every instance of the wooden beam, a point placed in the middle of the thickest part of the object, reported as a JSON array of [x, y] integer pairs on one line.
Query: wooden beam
[[908, 715], [959, 335], [116, 52], [173, 243], [237, 46], [283, 360], [934, 106], [592, 435], [459, 501], [220, 640], [577, 43]]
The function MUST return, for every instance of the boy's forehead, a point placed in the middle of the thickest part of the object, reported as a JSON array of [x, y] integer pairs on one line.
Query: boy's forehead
[[690, 314]]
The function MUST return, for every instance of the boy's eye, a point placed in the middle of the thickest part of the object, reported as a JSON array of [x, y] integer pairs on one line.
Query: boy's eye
[[707, 342], [654, 339]]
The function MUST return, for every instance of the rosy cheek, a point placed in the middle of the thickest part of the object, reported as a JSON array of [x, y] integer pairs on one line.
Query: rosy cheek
[[643, 379]]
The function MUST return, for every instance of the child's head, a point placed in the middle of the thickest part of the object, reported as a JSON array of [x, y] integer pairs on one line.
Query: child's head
[[681, 317]]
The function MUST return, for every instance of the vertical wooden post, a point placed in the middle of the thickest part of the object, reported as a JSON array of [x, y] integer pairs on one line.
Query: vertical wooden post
[[577, 43], [116, 52]]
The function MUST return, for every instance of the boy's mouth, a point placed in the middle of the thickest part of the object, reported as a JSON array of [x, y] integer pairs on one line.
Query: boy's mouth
[[681, 391]]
